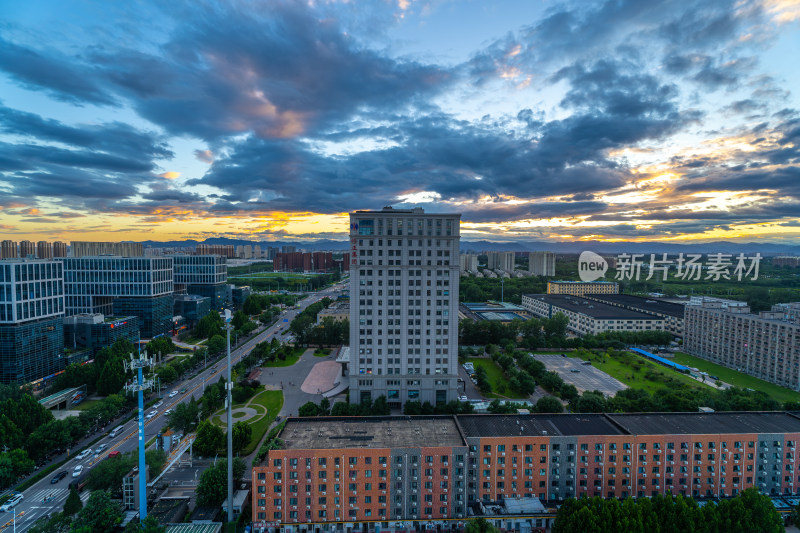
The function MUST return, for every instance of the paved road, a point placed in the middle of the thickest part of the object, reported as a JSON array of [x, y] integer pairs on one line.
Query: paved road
[[32, 507]]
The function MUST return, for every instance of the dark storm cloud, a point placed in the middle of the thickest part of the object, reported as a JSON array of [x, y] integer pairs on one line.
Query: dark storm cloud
[[59, 75], [115, 138]]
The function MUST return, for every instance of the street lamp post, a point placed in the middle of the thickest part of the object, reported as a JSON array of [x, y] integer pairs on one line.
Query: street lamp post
[[228, 385]]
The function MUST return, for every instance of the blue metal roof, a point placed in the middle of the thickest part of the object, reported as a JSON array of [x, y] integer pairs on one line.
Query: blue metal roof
[[661, 360]]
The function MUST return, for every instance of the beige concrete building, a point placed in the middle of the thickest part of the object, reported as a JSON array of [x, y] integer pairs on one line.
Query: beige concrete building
[[468, 262], [501, 260], [588, 317], [579, 288], [542, 263], [92, 249], [766, 345]]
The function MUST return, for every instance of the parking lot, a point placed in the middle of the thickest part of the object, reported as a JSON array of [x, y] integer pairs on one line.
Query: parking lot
[[584, 377]]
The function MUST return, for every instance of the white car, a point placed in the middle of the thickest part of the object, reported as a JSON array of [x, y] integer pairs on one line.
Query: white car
[[463, 398], [173, 394], [167, 412], [158, 404], [151, 414], [99, 449], [85, 453], [12, 502], [78, 470]]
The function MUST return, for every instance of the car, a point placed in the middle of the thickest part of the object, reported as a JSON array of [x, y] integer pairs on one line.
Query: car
[[214, 367], [173, 394], [12, 502], [463, 398], [99, 449], [78, 470], [168, 412], [84, 454], [58, 477], [183, 390], [575, 370], [158, 404], [151, 414]]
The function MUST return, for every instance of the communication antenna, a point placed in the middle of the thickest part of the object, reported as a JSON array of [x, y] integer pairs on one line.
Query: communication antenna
[[137, 363]]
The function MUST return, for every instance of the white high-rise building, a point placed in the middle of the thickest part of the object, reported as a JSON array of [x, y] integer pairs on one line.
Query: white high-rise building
[[404, 275], [501, 260], [542, 263], [469, 262]]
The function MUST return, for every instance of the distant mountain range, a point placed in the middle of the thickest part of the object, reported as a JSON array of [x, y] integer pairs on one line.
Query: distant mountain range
[[765, 248]]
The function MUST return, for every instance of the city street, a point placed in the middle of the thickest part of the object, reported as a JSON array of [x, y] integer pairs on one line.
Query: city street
[[32, 506]]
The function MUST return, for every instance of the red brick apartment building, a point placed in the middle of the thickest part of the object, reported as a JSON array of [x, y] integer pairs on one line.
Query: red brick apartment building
[[335, 472]]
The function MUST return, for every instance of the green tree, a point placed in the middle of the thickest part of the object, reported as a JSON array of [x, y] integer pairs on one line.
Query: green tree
[[149, 525], [242, 432], [480, 525], [210, 438], [213, 486], [548, 404], [112, 377], [73, 503], [239, 319], [185, 415], [100, 515], [108, 474], [308, 409], [216, 344], [155, 459], [54, 523], [209, 326]]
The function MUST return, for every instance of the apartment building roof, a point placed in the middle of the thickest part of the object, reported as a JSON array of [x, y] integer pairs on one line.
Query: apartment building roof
[[707, 423], [643, 304], [594, 309], [536, 425], [371, 432]]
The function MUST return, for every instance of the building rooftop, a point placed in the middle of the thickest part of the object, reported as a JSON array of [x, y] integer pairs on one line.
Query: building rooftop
[[707, 423], [591, 308], [536, 425], [584, 282], [652, 305], [504, 312], [371, 432]]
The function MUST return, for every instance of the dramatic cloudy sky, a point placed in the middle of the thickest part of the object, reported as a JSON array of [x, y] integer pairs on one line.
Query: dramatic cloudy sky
[[617, 120]]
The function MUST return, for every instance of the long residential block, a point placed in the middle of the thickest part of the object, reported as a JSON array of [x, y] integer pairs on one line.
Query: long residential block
[[429, 469]]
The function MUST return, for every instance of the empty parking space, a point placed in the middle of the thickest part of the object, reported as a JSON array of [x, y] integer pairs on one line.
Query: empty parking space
[[584, 377]]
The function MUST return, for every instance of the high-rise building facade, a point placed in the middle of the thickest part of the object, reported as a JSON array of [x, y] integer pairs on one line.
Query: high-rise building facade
[[202, 275], [59, 249], [44, 250], [27, 249], [766, 345], [31, 315], [468, 262], [90, 249], [542, 263], [8, 249], [225, 250], [121, 286], [501, 260], [403, 305]]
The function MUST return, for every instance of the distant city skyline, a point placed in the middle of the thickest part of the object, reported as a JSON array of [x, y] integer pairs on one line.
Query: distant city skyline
[[601, 121]]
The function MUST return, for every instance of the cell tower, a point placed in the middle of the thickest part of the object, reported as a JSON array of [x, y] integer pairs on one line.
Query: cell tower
[[138, 363]]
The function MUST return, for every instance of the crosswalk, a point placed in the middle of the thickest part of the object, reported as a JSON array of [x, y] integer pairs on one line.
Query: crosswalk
[[40, 495], [55, 494]]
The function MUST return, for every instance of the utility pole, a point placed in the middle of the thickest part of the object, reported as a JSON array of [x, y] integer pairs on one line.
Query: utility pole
[[140, 386], [229, 386]]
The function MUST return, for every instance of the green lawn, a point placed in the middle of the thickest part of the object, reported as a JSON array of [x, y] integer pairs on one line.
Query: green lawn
[[496, 378], [738, 379], [273, 401], [85, 404], [636, 372], [289, 361]]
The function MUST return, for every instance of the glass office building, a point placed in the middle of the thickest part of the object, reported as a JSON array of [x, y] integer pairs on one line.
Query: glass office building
[[31, 314], [97, 331], [121, 286], [202, 275]]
